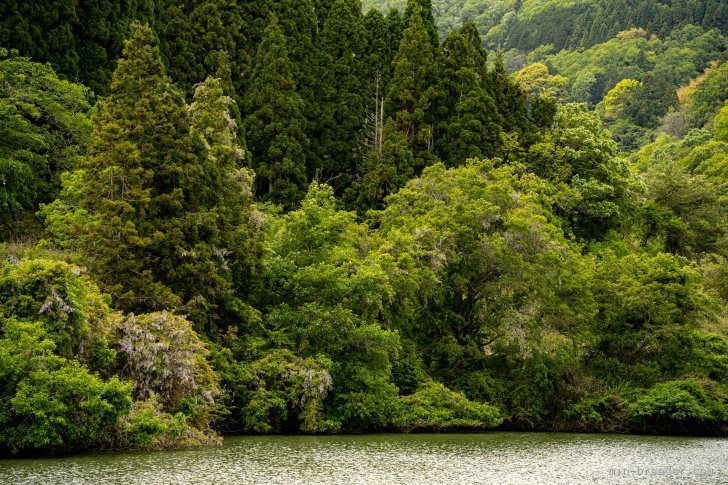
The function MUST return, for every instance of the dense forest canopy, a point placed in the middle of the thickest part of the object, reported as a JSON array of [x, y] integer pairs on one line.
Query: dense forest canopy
[[302, 216], [567, 24]]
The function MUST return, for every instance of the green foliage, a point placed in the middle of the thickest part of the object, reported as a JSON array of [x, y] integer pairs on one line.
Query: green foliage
[[411, 92], [275, 125], [528, 24], [600, 412], [708, 97], [538, 277], [283, 388], [195, 36], [470, 234], [423, 9], [331, 295], [50, 402], [52, 315], [81, 39], [44, 129], [341, 96], [434, 407], [661, 302], [469, 116], [63, 352], [220, 227], [65, 303], [131, 186], [537, 80], [685, 210], [679, 407], [168, 177], [579, 153]]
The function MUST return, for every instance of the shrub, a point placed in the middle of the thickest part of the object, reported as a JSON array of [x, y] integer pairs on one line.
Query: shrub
[[680, 407], [434, 407], [48, 401]]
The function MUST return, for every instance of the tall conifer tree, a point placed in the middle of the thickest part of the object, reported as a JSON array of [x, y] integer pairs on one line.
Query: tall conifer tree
[[342, 89], [275, 125], [378, 52], [133, 180], [297, 19], [218, 225], [423, 8], [170, 206], [193, 36], [466, 112], [510, 99], [298, 22], [322, 8], [411, 91], [395, 24]]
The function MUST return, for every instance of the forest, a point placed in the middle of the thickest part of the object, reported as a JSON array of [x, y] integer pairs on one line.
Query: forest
[[316, 216]]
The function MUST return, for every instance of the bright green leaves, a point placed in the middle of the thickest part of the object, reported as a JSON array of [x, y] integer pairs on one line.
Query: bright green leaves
[[436, 407], [660, 300], [63, 352], [72, 312], [67, 408], [44, 129], [478, 236], [283, 386], [680, 407], [577, 152], [54, 333], [329, 296], [685, 187]]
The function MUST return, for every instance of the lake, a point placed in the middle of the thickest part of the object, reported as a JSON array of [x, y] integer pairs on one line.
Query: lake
[[499, 457]]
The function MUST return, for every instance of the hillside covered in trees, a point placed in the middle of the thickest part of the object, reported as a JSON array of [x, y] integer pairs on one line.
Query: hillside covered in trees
[[300, 216], [566, 24]]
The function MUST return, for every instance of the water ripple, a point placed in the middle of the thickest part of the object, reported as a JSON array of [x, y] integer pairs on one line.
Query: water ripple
[[499, 458]]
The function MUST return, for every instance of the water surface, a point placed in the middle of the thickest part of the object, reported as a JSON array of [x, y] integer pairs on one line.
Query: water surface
[[395, 458]]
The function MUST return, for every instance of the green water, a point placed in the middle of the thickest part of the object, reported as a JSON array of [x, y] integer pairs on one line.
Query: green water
[[389, 458]]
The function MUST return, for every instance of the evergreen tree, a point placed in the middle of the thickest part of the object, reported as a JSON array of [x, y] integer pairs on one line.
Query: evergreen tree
[[411, 92], [297, 19], [100, 32], [378, 52], [322, 8], [275, 125], [388, 163], [510, 100], [223, 72], [396, 26], [219, 230], [342, 90], [176, 43], [81, 38], [133, 180], [195, 34], [467, 113], [42, 30], [423, 8]]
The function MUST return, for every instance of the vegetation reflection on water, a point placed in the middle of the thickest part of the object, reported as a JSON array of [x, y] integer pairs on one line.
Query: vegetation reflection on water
[[420, 458]]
